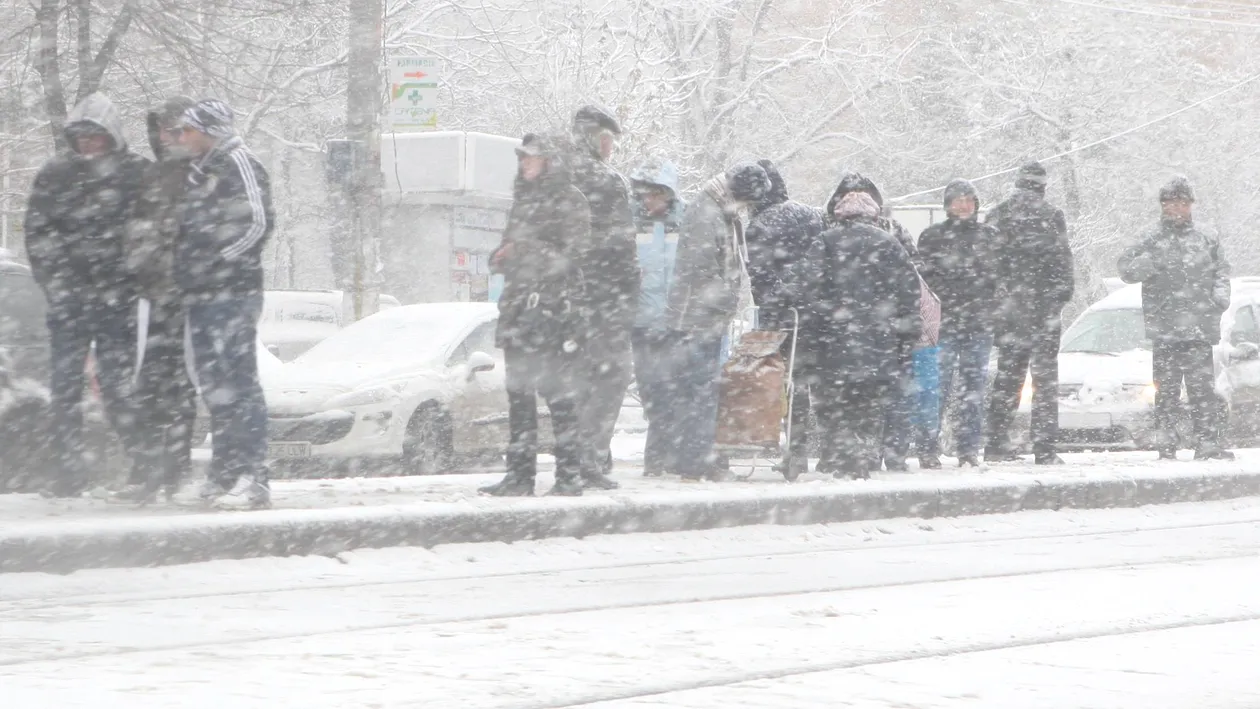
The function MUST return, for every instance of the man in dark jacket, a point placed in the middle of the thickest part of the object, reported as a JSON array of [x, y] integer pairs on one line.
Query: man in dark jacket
[[897, 421], [1185, 290], [780, 234], [1034, 282], [610, 262], [225, 220], [164, 396], [862, 325], [75, 220], [959, 266], [539, 329], [703, 300]]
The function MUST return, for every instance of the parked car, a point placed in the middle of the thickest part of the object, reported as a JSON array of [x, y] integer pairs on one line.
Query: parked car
[[1106, 393], [23, 327], [419, 383], [293, 321]]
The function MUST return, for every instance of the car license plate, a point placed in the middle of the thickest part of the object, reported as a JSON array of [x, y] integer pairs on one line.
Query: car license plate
[[289, 449], [1084, 420]]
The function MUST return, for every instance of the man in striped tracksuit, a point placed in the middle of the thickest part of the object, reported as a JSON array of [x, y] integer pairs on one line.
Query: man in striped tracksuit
[[224, 222]]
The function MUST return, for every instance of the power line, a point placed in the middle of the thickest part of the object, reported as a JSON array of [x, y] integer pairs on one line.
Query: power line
[[1121, 134]]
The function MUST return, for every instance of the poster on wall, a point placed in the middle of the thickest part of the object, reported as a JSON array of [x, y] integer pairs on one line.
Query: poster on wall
[[413, 93]]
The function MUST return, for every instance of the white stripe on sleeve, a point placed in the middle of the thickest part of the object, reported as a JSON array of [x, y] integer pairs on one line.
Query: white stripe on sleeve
[[258, 225]]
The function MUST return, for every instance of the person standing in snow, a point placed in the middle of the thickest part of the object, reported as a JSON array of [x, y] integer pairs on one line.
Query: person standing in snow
[[1034, 282], [959, 266], [657, 211], [863, 322], [224, 222], [75, 219], [612, 296], [1185, 290], [780, 232], [164, 397], [703, 300], [539, 328], [897, 423]]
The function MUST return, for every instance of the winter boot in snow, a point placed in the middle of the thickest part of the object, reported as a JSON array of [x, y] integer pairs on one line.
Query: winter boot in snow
[[566, 487], [896, 465], [1001, 455], [930, 461], [201, 494], [968, 461], [793, 467], [133, 494], [1048, 459], [510, 486], [247, 494], [599, 481], [1167, 453]]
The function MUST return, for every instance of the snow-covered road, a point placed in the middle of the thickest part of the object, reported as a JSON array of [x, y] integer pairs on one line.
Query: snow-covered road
[[1147, 608]]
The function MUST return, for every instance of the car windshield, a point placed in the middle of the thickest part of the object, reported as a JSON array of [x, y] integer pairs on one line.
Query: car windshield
[[1107, 332], [21, 310], [419, 337]]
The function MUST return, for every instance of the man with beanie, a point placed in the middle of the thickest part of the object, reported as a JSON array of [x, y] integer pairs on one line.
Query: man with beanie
[[898, 414], [224, 223], [703, 299], [1185, 290], [1035, 281], [75, 220], [958, 264], [610, 264], [780, 234], [163, 393]]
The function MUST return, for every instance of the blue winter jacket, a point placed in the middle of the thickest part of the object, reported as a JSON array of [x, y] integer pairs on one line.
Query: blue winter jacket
[[658, 245]]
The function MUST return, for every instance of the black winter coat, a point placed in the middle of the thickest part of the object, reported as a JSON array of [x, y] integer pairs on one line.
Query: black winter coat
[[612, 254], [1185, 282], [960, 266], [864, 318], [540, 257], [154, 228], [779, 235], [77, 215], [1034, 267], [225, 220]]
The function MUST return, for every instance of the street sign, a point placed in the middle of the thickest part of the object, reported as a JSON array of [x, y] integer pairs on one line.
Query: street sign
[[413, 93]]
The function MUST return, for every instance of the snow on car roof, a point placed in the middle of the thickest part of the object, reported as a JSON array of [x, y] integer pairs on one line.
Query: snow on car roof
[[1130, 297], [462, 312]]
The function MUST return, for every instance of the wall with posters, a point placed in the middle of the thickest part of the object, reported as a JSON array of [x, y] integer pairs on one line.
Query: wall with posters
[[447, 195]]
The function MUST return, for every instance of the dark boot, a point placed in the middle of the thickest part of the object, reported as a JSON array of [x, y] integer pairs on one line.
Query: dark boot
[[1167, 453], [1048, 459], [1213, 452], [599, 481], [793, 467], [510, 486], [1001, 455], [566, 487], [965, 461], [896, 465], [930, 461]]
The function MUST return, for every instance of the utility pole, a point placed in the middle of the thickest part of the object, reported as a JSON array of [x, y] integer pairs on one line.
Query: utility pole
[[363, 129]]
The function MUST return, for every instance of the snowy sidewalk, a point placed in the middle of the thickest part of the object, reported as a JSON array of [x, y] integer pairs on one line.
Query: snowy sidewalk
[[331, 516]]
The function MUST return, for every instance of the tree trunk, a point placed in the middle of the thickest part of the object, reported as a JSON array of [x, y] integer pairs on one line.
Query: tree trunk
[[48, 66], [363, 114]]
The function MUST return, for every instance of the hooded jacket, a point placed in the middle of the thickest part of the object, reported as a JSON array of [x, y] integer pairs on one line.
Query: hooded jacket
[[657, 243], [77, 214], [540, 257], [857, 182], [611, 252], [779, 235], [704, 293], [959, 260], [226, 218], [1034, 266], [863, 318], [1185, 281], [154, 227]]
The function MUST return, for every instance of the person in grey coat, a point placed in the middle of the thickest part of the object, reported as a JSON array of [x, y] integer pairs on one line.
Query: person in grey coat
[[703, 299], [1185, 290]]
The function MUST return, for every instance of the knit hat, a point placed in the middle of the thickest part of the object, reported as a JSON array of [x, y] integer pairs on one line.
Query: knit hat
[[172, 110], [960, 188], [1178, 188], [1032, 176], [592, 117], [747, 182], [212, 117], [531, 145]]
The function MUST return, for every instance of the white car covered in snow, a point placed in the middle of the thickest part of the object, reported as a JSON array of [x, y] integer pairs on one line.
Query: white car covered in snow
[[1106, 395], [293, 321], [420, 383]]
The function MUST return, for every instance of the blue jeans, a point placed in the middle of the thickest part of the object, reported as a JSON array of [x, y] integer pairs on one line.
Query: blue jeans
[[223, 336], [926, 397], [685, 403], [969, 352]]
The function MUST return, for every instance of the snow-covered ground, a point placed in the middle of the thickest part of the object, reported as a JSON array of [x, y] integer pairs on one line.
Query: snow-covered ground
[[628, 449], [1152, 608]]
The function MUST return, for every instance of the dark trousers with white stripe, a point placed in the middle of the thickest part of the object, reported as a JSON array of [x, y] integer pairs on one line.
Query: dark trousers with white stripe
[[164, 399], [223, 335]]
